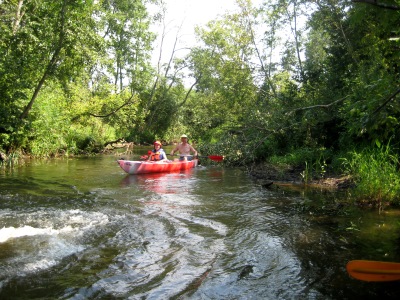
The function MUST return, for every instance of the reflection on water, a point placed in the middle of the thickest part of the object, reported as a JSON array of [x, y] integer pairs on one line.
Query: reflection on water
[[163, 183], [84, 229]]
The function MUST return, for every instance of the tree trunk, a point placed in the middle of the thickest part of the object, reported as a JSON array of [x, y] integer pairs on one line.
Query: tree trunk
[[50, 66]]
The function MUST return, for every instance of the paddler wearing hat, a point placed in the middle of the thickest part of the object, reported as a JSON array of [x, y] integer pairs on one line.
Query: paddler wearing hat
[[185, 149], [158, 153]]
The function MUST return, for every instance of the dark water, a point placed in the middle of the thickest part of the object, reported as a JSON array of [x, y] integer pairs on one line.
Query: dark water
[[83, 229]]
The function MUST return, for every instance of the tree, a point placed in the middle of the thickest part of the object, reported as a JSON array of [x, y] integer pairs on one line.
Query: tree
[[126, 31], [45, 41]]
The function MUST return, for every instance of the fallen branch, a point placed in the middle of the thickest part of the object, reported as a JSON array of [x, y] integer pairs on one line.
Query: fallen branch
[[317, 106], [117, 141]]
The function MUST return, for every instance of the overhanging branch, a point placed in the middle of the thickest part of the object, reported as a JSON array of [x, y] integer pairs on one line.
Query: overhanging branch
[[129, 102], [391, 97], [318, 106]]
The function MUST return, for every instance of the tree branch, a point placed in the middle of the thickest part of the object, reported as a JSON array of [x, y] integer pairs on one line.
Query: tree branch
[[129, 102], [318, 106], [189, 91], [18, 16], [266, 72], [391, 97]]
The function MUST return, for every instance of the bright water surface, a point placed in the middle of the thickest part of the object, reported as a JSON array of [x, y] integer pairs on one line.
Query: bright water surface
[[83, 229]]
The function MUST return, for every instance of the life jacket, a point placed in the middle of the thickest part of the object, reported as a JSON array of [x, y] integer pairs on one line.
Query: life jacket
[[155, 156]]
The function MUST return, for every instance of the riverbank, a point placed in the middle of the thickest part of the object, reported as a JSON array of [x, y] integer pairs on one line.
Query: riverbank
[[266, 174]]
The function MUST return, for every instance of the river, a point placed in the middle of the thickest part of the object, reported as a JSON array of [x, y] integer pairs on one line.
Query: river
[[81, 228]]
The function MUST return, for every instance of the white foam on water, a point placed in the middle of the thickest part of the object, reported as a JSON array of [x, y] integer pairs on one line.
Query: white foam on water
[[42, 239], [51, 254], [53, 223], [7, 233]]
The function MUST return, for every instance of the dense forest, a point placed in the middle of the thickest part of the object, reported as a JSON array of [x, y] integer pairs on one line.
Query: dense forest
[[308, 82]]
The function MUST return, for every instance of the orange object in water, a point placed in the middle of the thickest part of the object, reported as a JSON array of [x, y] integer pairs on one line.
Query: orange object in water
[[368, 270]]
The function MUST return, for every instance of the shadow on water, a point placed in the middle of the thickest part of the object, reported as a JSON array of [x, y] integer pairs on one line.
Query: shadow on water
[[83, 229]]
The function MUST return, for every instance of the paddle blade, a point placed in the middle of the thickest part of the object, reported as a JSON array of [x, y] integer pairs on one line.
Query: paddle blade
[[216, 157], [367, 270]]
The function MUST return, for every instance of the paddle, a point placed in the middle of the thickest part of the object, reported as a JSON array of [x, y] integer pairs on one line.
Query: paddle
[[368, 270], [212, 157]]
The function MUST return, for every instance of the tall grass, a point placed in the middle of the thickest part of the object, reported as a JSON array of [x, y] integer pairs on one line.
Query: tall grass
[[375, 172]]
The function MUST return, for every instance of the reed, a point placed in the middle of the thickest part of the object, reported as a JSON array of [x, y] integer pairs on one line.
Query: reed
[[375, 172]]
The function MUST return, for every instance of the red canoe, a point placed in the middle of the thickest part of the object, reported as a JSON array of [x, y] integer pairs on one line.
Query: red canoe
[[145, 167]]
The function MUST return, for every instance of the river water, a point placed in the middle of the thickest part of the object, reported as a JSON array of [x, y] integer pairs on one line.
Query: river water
[[81, 228]]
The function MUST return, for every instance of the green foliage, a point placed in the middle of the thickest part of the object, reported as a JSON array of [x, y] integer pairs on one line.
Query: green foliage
[[224, 75], [295, 158], [311, 161], [83, 40], [230, 147], [76, 74], [376, 174], [42, 40], [54, 132], [126, 24]]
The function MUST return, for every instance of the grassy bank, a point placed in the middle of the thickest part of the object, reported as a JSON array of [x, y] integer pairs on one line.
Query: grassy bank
[[374, 171], [376, 174]]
